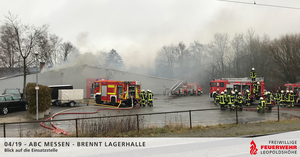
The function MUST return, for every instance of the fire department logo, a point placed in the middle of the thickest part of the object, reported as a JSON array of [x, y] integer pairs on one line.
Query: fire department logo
[[253, 149]]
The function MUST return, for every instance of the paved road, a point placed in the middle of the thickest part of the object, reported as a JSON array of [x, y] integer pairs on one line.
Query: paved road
[[161, 104]]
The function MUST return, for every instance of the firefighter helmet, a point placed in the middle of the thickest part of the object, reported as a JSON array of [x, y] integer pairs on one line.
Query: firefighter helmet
[[225, 90], [150, 91], [235, 90], [222, 92], [291, 91], [282, 91], [232, 92], [247, 90], [257, 82], [287, 91], [218, 89], [261, 98], [240, 93], [253, 69], [143, 90]]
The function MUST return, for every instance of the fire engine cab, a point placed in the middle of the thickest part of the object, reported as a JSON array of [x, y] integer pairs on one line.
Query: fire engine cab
[[239, 84], [117, 92]]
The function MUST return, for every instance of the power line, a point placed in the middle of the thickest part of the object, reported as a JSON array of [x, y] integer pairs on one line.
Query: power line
[[266, 5]]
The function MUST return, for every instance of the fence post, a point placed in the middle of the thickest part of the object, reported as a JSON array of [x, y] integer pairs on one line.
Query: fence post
[[4, 133], [190, 119], [236, 115], [76, 124], [137, 123], [278, 112]]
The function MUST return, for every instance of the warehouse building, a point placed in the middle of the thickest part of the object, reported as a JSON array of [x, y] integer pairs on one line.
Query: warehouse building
[[81, 77]]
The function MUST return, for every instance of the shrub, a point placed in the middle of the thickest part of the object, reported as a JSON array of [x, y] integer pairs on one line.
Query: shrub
[[44, 98]]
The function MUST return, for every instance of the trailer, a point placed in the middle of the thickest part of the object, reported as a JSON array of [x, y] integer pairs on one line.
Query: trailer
[[65, 95]]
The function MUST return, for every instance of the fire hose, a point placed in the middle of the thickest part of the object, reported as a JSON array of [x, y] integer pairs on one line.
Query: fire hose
[[61, 131]]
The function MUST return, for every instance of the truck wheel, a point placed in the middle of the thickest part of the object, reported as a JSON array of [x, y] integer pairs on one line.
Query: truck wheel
[[113, 101], [72, 104], [4, 110]]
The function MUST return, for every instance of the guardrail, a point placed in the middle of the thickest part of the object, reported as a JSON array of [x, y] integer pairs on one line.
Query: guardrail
[[137, 118]]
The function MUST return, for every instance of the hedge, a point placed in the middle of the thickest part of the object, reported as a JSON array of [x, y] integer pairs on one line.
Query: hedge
[[44, 98]]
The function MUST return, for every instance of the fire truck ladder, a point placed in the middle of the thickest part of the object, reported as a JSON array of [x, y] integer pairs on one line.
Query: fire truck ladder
[[175, 87]]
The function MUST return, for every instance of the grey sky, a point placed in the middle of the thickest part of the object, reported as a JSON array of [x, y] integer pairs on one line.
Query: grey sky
[[137, 29]]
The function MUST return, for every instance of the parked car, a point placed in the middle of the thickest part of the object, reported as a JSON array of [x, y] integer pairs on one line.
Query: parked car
[[13, 91], [10, 102]]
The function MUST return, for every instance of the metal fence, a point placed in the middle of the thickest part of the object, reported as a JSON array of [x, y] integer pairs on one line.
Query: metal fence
[[77, 122]]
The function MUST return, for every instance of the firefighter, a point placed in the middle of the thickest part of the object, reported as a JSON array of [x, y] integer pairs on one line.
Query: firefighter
[[292, 98], [268, 99], [150, 98], [282, 98], [277, 97], [225, 96], [236, 94], [248, 98], [143, 97], [253, 74], [261, 105], [222, 100], [230, 98], [287, 99], [257, 91], [240, 101], [217, 95]]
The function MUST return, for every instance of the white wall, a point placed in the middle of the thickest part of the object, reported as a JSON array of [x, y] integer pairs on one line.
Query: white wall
[[77, 76]]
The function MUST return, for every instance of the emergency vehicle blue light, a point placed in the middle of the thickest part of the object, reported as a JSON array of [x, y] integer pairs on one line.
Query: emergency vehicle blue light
[[96, 79], [287, 82], [213, 79]]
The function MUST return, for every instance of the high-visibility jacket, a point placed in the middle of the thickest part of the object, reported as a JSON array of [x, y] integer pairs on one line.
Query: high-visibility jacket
[[268, 99], [287, 97], [292, 98], [247, 95], [143, 94], [282, 97], [253, 74], [217, 96], [230, 99], [240, 99], [261, 104], [150, 96], [222, 99]]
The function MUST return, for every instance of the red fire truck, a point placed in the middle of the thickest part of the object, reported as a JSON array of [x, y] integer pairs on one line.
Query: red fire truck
[[239, 84], [194, 89], [117, 92], [188, 89]]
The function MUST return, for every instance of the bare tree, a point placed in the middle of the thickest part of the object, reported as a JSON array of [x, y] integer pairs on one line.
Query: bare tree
[[239, 56], [218, 49], [24, 41], [8, 57], [49, 48], [285, 54], [66, 48], [165, 61]]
